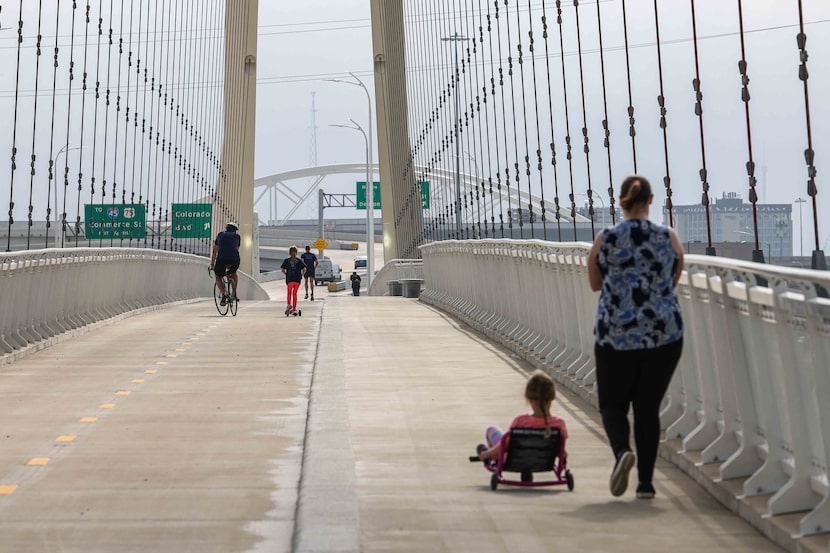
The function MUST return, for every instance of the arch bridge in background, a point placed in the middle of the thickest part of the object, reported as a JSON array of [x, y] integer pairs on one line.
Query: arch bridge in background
[[272, 186]]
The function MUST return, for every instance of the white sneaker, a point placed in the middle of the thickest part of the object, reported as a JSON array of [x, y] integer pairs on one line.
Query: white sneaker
[[287, 309], [619, 477]]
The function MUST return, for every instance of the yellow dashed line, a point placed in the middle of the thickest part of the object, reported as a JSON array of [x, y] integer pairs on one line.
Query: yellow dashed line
[[196, 339], [7, 489], [171, 356], [180, 349], [89, 419], [150, 371], [138, 381], [122, 393], [65, 439], [38, 462], [107, 406], [161, 362]]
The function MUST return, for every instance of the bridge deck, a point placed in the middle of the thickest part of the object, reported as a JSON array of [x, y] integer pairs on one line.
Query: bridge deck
[[354, 421]]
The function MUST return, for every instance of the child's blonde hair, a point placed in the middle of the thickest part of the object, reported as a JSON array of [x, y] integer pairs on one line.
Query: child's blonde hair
[[541, 389]]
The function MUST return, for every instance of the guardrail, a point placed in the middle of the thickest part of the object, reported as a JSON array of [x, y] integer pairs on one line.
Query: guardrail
[[44, 293], [396, 269], [750, 396]]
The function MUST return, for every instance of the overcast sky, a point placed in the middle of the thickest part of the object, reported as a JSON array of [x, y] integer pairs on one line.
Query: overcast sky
[[778, 119], [302, 43]]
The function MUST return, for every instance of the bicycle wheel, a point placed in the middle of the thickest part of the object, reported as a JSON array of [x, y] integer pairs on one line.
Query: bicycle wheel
[[217, 299], [233, 301]]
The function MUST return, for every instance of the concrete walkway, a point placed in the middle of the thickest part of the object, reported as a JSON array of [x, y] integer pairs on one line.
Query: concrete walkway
[[354, 421]]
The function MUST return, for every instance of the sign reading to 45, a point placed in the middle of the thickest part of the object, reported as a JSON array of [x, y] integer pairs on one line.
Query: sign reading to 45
[[115, 221]]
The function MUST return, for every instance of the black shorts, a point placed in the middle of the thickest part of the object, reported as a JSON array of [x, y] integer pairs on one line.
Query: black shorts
[[309, 273], [225, 266]]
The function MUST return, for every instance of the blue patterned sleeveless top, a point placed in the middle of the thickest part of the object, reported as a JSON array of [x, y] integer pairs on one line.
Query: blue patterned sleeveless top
[[637, 304]]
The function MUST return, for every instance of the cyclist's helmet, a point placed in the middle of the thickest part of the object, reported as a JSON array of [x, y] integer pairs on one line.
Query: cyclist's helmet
[[232, 227]]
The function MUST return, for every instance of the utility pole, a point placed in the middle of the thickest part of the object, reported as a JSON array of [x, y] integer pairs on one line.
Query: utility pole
[[800, 201], [457, 38]]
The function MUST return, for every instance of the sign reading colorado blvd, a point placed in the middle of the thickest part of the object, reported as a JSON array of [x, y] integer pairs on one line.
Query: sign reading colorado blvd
[[115, 221], [192, 220], [361, 194]]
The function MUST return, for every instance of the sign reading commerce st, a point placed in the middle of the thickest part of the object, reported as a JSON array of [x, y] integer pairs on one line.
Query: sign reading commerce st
[[115, 221], [192, 220]]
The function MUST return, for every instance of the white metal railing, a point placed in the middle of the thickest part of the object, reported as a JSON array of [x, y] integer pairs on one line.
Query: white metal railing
[[396, 269], [752, 390], [44, 293]]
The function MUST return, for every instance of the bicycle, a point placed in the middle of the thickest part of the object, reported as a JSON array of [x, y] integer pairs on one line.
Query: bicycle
[[232, 304]]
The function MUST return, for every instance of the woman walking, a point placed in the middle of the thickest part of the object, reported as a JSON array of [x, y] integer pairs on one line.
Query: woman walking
[[639, 330]]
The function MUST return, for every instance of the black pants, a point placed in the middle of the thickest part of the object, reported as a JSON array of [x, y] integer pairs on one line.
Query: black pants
[[638, 378]]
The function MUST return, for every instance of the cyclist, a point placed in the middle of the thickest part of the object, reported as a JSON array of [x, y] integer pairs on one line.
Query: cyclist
[[225, 258], [310, 261]]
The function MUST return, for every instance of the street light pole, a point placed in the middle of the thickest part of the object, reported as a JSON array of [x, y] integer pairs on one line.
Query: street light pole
[[369, 189], [457, 38], [65, 150], [370, 197], [800, 201]]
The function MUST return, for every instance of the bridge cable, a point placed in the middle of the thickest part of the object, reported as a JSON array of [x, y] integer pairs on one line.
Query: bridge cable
[[84, 88], [750, 165], [52, 167], [586, 148], [142, 199], [127, 124], [539, 166], [469, 226], [557, 214], [495, 119], [156, 88], [478, 142], [632, 131], [14, 127], [525, 133], [605, 123], [569, 154], [513, 119], [809, 153], [486, 125], [68, 122], [472, 149], [704, 175], [117, 115], [504, 122], [448, 222], [34, 126], [95, 133], [661, 101]]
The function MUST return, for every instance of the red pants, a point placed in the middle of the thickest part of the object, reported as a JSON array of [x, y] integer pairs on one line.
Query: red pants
[[293, 287]]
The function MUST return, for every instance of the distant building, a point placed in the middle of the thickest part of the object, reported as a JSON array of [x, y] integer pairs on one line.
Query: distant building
[[732, 221]]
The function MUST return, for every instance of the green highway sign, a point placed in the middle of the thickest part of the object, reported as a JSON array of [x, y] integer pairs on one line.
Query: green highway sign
[[115, 221], [192, 220], [424, 194], [361, 194]]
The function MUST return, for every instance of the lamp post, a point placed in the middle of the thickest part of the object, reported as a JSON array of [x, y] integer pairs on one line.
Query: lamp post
[[370, 208], [749, 232], [800, 201], [457, 38], [65, 150], [370, 199]]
